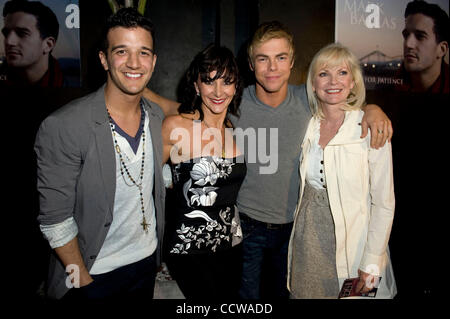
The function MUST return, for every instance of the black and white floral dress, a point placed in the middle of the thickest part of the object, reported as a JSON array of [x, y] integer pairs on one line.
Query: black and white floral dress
[[203, 211]]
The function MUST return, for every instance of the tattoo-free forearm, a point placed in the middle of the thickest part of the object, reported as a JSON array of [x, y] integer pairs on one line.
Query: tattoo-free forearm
[[70, 254]]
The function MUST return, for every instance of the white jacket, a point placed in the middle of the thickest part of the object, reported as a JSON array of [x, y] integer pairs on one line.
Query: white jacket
[[360, 188]]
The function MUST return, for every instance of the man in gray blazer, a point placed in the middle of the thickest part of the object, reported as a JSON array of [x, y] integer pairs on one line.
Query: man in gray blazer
[[100, 179]]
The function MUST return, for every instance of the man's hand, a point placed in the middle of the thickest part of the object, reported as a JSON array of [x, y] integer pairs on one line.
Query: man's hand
[[379, 124], [70, 255], [85, 278]]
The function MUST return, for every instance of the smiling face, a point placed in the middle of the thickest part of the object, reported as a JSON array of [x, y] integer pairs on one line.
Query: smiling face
[[216, 95], [272, 62], [129, 59], [421, 51], [24, 47], [332, 85]]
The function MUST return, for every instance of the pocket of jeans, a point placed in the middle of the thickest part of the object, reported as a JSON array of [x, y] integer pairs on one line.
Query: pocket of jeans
[[247, 228]]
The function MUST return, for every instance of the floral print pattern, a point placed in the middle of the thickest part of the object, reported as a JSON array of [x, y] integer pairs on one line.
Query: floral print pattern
[[199, 191], [209, 235]]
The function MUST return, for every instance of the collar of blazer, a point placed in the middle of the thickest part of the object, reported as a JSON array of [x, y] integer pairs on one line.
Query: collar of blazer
[[349, 132], [100, 116]]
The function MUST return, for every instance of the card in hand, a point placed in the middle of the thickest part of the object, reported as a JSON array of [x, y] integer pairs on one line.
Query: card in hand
[[349, 286]]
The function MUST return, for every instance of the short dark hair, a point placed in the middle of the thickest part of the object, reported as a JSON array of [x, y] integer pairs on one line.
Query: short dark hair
[[127, 18], [439, 16], [212, 58], [47, 23]]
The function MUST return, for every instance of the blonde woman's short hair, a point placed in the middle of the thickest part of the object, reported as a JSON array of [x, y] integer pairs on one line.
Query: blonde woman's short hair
[[331, 56], [268, 31]]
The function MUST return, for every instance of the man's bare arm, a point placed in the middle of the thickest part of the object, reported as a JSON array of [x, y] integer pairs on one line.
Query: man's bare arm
[[168, 106], [70, 254]]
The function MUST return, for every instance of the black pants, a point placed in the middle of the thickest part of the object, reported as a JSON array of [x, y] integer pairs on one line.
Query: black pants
[[132, 282], [208, 276]]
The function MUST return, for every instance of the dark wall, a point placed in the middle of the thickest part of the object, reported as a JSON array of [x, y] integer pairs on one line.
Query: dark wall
[[184, 27], [186, 30], [312, 24], [178, 38]]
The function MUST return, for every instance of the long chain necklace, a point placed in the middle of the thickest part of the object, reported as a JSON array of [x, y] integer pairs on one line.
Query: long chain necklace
[[124, 168], [223, 144]]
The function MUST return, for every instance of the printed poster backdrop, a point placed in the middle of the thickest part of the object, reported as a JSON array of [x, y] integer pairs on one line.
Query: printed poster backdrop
[[373, 31], [67, 49]]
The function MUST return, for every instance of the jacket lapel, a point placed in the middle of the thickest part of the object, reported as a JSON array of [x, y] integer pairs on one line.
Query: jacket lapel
[[155, 131], [105, 147], [350, 131], [155, 120]]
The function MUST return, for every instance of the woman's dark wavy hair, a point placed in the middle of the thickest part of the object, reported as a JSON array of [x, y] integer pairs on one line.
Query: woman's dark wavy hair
[[212, 58]]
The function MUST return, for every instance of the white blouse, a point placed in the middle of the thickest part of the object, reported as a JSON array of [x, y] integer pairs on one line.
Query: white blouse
[[315, 174]]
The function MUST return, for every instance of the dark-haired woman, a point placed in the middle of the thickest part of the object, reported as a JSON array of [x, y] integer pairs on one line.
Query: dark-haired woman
[[208, 170]]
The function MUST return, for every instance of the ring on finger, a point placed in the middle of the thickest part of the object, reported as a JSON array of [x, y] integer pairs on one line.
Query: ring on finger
[[380, 131]]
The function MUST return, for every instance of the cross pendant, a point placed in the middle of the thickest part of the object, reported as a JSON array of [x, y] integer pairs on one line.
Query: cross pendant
[[144, 224]]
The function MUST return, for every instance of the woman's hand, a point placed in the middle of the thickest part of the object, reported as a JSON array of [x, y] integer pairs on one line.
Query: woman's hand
[[366, 282]]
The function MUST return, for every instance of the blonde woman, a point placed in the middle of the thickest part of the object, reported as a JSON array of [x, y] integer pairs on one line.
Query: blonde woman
[[344, 216]]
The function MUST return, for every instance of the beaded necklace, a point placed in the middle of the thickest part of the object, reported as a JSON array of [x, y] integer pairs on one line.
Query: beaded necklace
[[124, 168]]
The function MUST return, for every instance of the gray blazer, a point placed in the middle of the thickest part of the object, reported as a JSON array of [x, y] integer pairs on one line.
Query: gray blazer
[[77, 176]]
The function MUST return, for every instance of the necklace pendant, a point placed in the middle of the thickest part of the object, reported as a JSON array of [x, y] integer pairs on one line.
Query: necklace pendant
[[144, 224]]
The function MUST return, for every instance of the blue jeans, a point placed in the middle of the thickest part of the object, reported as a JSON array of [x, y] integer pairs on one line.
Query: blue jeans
[[265, 248]]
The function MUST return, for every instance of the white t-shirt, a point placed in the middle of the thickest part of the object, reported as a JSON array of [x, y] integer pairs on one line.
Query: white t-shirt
[[126, 241]]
